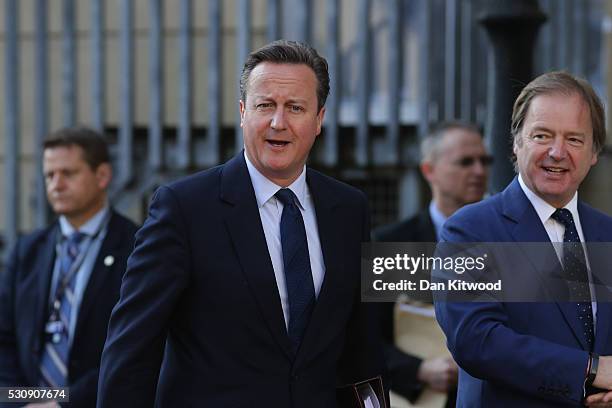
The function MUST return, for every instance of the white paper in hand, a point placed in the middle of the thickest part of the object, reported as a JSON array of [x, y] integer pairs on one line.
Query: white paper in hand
[[368, 396]]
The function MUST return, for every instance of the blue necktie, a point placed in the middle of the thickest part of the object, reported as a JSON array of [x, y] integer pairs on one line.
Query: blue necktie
[[53, 365], [298, 275], [574, 264]]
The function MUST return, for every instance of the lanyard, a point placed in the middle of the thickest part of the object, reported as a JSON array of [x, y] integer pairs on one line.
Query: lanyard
[[74, 268]]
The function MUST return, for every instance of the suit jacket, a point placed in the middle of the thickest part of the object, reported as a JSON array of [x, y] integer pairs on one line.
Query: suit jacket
[[520, 354], [24, 308], [201, 300], [402, 368]]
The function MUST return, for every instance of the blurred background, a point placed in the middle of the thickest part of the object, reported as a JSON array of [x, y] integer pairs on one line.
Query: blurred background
[[160, 78]]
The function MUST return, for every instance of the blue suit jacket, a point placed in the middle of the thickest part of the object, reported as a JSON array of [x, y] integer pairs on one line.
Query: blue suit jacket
[[519, 354], [200, 300], [24, 296]]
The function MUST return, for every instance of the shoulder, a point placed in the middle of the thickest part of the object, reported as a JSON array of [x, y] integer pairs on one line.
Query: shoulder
[[122, 222], [331, 188], [401, 231], [28, 245]]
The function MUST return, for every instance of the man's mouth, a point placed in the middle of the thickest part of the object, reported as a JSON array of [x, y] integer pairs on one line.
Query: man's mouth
[[554, 170], [277, 143]]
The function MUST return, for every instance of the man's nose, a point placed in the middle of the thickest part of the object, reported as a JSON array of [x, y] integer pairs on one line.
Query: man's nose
[[278, 119], [558, 150]]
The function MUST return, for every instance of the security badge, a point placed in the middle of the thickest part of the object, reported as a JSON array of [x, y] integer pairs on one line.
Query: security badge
[[55, 327]]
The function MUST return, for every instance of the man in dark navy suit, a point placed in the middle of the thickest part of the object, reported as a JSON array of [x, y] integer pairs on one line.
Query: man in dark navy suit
[[515, 354], [455, 164], [62, 282], [243, 288]]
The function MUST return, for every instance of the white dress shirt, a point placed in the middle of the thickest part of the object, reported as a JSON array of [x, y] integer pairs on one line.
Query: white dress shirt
[[555, 229], [270, 212]]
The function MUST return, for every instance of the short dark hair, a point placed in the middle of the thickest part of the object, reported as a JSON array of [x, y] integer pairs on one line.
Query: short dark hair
[[95, 148], [288, 52], [431, 143], [567, 84]]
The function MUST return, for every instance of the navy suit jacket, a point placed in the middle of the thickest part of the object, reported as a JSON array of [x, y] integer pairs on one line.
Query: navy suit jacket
[[200, 300], [519, 354], [24, 308]]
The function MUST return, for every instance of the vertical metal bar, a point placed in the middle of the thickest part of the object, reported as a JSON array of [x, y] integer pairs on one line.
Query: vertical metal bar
[[580, 45], [185, 83], [424, 55], [126, 82], [303, 19], [274, 13], [243, 47], [41, 116], [545, 49], [69, 68], [561, 7], [12, 112], [333, 101], [363, 91], [450, 59], [97, 64], [215, 94], [156, 86], [395, 80], [467, 104]]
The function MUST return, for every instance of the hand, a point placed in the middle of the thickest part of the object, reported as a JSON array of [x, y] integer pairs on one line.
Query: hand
[[603, 379], [599, 400], [439, 373]]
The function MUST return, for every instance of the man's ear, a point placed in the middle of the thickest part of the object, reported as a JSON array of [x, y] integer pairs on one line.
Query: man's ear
[[242, 109], [320, 117], [104, 175], [427, 169]]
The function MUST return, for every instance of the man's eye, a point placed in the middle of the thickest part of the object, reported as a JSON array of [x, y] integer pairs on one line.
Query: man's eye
[[575, 141], [296, 108], [261, 106]]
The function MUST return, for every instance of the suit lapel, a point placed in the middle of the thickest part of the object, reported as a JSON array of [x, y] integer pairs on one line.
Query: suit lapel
[[528, 228], [598, 261], [244, 226], [330, 238], [100, 272], [43, 270]]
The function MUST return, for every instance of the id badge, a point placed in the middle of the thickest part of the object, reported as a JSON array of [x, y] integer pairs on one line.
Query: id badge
[[54, 330]]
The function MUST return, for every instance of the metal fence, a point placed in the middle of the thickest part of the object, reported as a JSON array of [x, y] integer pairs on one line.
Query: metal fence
[[396, 66]]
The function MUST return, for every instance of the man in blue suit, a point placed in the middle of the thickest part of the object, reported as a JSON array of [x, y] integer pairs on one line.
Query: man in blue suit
[[243, 288], [75, 263], [538, 354]]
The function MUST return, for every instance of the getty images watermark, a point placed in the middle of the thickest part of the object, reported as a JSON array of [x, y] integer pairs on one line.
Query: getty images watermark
[[484, 271]]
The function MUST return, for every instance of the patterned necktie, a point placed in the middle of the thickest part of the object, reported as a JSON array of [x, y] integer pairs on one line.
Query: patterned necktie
[[53, 365], [298, 275], [574, 264]]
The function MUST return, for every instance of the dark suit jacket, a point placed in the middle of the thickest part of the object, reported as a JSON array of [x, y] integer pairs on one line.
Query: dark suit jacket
[[520, 354], [402, 368], [200, 299], [24, 296]]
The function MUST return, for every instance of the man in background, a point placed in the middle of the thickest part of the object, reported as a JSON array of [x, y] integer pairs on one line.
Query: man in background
[[455, 164], [62, 282]]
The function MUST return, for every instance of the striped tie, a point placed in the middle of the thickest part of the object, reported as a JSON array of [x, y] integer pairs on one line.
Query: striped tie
[[53, 365]]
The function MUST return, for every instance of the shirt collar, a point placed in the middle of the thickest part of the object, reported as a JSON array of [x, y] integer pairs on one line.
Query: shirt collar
[[542, 208], [437, 217], [265, 188], [89, 228]]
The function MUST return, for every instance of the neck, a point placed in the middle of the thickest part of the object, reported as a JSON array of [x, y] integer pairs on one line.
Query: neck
[[445, 207], [77, 220]]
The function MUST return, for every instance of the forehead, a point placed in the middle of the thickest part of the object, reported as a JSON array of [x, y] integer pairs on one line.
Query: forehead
[[460, 141], [560, 112], [268, 77], [63, 156]]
